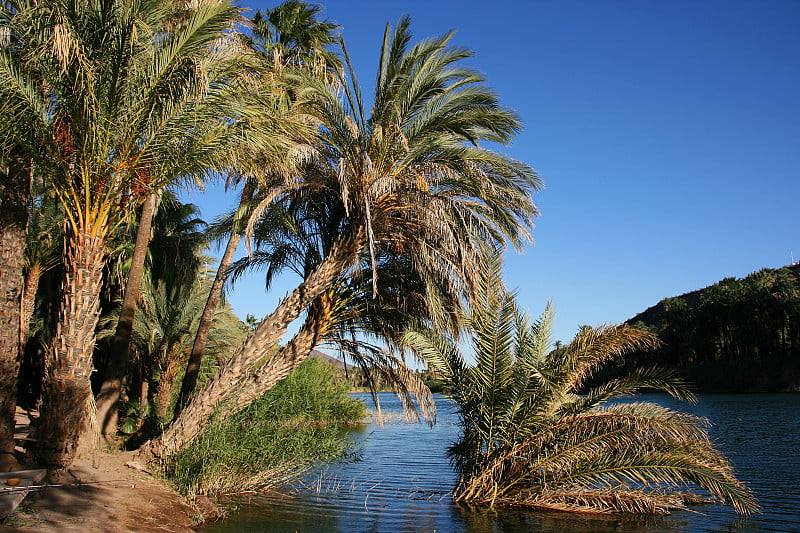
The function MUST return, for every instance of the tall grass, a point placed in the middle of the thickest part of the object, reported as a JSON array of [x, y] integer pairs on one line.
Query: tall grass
[[297, 423]]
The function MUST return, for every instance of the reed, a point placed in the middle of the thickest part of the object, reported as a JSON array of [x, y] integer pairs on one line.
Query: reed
[[275, 440]]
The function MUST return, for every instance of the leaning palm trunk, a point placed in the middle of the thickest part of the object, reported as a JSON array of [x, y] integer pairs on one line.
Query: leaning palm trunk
[[287, 359], [67, 388], [120, 345], [201, 338], [13, 219], [199, 411]]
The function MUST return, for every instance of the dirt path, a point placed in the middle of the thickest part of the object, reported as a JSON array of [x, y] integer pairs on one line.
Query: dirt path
[[124, 500], [128, 500]]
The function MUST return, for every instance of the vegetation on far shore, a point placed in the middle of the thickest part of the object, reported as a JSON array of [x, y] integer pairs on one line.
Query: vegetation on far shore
[[738, 335]]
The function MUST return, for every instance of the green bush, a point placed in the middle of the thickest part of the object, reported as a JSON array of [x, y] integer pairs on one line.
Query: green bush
[[296, 423]]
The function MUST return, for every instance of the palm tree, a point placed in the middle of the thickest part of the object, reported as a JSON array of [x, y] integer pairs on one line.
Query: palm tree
[[287, 35], [14, 197], [535, 433], [411, 178], [164, 327], [172, 254], [122, 98], [43, 247], [364, 327], [15, 185]]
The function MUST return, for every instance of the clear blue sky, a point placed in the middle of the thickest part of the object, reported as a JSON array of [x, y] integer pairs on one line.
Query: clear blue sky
[[667, 134]]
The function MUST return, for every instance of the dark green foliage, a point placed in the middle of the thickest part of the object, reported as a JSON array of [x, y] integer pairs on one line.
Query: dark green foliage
[[297, 422], [737, 335]]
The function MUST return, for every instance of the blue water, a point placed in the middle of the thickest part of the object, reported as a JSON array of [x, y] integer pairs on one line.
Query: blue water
[[403, 481]]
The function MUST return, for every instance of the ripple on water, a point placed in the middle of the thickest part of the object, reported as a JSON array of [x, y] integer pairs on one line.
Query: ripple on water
[[404, 480]]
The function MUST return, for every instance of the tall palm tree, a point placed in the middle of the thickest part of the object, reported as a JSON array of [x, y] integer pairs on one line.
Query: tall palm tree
[[534, 433], [288, 35], [123, 98], [411, 178], [172, 254], [15, 186], [15, 183]]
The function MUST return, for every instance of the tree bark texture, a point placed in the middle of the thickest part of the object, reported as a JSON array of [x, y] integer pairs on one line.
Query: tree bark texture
[[32, 279], [198, 412], [201, 338], [278, 367], [67, 389], [13, 222], [117, 363], [164, 392]]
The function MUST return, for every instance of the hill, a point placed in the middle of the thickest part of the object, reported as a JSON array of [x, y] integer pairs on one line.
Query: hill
[[738, 335]]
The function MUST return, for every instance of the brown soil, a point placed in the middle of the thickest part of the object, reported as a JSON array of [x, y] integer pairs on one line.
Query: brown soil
[[116, 499], [126, 500]]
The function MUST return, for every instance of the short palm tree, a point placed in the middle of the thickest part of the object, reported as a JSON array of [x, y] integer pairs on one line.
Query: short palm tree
[[164, 327], [535, 433]]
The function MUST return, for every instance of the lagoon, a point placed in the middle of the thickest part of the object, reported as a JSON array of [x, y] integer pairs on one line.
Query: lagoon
[[402, 481]]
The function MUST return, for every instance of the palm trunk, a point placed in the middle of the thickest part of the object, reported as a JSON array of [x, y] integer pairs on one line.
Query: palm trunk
[[279, 366], [28, 302], [108, 397], [198, 348], [67, 390], [164, 393], [13, 221], [197, 413]]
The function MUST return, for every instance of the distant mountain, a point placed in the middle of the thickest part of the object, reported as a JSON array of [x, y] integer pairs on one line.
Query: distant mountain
[[332, 360], [738, 335]]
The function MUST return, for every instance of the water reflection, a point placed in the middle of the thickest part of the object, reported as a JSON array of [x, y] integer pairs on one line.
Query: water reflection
[[404, 481]]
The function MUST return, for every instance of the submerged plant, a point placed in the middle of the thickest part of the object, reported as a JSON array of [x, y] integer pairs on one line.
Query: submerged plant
[[535, 432]]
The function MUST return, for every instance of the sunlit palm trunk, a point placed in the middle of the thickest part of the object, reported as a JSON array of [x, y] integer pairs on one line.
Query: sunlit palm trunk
[[67, 388], [197, 413], [120, 345], [201, 338], [13, 219], [278, 367]]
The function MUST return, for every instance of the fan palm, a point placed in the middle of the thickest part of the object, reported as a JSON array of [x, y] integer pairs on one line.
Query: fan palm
[[411, 178], [119, 99], [534, 433]]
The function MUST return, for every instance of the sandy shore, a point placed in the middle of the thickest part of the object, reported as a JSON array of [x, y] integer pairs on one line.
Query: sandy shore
[[126, 500]]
